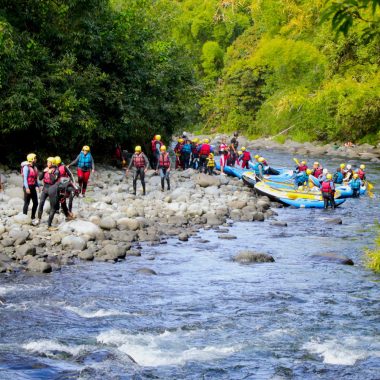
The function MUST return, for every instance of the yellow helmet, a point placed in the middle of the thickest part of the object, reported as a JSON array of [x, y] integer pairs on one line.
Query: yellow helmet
[[316, 163], [362, 166], [31, 157], [261, 159], [329, 176], [58, 160], [243, 148], [51, 159], [303, 162], [342, 166], [211, 155], [195, 140], [157, 137], [86, 148], [257, 156], [356, 175], [138, 148], [308, 171], [240, 152], [206, 141], [181, 140], [163, 148]]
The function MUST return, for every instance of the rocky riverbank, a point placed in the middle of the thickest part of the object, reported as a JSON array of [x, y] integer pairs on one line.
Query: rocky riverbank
[[111, 222]]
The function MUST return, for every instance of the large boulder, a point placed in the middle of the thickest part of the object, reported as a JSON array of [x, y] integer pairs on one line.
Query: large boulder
[[248, 257], [128, 224], [204, 180], [24, 250], [86, 255], [214, 220], [107, 223], [22, 219], [20, 236], [37, 266], [74, 243], [237, 204], [82, 227]]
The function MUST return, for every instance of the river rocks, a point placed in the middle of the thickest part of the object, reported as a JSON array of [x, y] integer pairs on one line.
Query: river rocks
[[82, 227], [128, 224], [183, 236], [248, 257], [74, 243], [25, 250], [7, 242], [258, 216], [2, 229], [37, 266], [204, 180], [86, 255], [334, 258], [227, 237], [147, 271], [107, 223], [20, 236], [237, 204], [333, 221], [22, 219], [277, 223]]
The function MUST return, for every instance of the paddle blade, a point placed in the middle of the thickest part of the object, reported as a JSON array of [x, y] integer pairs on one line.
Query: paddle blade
[[296, 161]]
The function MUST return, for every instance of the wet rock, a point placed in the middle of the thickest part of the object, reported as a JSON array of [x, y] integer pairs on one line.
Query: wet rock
[[263, 204], [334, 258], [147, 271], [107, 223], [183, 236], [248, 257], [82, 227], [333, 221], [237, 204], [86, 255], [204, 180], [128, 224], [178, 220], [133, 252], [278, 223], [22, 219], [20, 236], [214, 220], [258, 216], [227, 237], [25, 250], [37, 266], [74, 243]]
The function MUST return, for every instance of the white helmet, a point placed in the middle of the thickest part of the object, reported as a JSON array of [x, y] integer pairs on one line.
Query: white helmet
[[349, 167], [325, 171]]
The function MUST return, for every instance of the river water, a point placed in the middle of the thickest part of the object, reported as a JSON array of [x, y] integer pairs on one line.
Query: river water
[[204, 316]]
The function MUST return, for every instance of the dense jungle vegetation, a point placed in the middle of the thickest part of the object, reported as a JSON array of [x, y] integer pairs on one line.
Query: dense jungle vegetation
[[107, 71]]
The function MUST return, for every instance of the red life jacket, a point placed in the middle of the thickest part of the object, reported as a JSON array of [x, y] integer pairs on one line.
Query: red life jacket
[[62, 171], [164, 160], [138, 161], [48, 178], [178, 148], [361, 174], [317, 172], [205, 149], [32, 175], [194, 149], [326, 187], [223, 147], [302, 168], [153, 144], [246, 156]]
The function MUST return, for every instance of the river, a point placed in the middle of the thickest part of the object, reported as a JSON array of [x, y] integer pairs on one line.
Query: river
[[205, 316]]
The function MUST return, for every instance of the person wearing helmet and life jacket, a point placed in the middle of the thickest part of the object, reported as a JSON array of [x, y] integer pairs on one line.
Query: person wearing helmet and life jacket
[[140, 163], [317, 170], [29, 173], [322, 176], [186, 154], [85, 165], [361, 172], [64, 172], [239, 157], [328, 191], [258, 167], [204, 151], [301, 167], [223, 160], [163, 166], [355, 184], [343, 168], [156, 144], [194, 162], [302, 178], [58, 193], [338, 176], [177, 151], [246, 157], [223, 146], [210, 163], [48, 177], [348, 174]]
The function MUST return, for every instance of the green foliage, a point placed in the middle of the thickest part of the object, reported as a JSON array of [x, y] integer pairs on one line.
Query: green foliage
[[373, 256], [212, 59]]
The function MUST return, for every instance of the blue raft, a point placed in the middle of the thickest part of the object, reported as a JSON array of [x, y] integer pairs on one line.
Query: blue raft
[[309, 203]]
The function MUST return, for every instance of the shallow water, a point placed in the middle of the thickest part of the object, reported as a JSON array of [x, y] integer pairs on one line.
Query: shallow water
[[203, 315]]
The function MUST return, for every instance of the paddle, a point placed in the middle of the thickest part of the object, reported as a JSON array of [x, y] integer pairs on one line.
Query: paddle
[[370, 187], [296, 160]]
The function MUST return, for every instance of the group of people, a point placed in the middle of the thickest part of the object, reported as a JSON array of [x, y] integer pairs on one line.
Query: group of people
[[328, 181], [57, 184]]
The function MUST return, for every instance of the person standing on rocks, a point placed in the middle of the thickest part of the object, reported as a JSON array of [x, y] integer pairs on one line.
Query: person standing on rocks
[[85, 165], [30, 185], [64, 172], [194, 162], [156, 145], [204, 151], [178, 153], [163, 165], [48, 177], [210, 164], [140, 163]]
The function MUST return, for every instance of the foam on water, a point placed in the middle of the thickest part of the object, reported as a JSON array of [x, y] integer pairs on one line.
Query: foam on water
[[345, 351], [49, 347], [168, 348], [96, 313]]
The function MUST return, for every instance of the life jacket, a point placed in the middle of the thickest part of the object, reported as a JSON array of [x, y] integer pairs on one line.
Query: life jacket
[[210, 162], [338, 178], [48, 178], [194, 149], [222, 147], [154, 143], [246, 156], [62, 171], [302, 178], [355, 184], [256, 168], [164, 160], [186, 148], [205, 150], [85, 161], [32, 173], [178, 148], [138, 161], [361, 174], [317, 172], [302, 168], [326, 187], [118, 153]]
